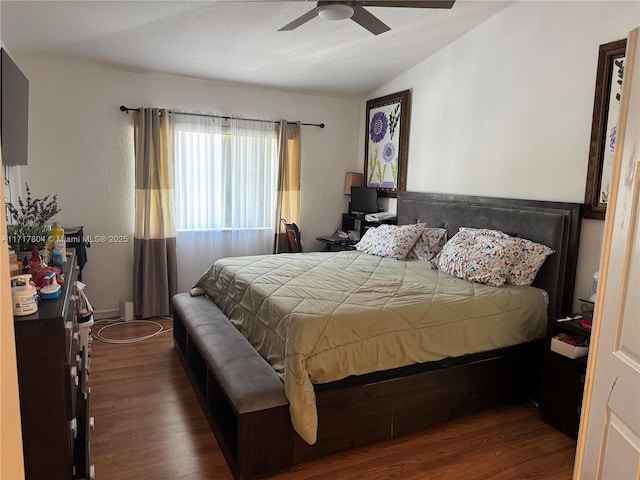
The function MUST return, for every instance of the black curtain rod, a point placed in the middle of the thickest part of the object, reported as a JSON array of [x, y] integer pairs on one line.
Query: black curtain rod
[[127, 110]]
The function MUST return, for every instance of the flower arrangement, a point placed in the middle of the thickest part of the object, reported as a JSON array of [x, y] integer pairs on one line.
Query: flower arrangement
[[29, 222]]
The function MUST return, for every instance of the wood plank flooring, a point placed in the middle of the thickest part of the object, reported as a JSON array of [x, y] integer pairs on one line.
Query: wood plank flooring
[[149, 426]]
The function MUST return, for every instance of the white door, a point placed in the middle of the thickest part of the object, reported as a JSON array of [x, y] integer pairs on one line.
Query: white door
[[609, 438]]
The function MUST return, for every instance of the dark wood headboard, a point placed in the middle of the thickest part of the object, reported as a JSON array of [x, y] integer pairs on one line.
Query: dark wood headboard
[[556, 224]]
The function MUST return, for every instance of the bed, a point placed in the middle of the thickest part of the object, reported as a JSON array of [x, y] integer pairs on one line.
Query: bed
[[251, 418]]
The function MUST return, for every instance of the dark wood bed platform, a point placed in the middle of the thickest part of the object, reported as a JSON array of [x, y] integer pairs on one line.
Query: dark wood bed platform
[[243, 397]]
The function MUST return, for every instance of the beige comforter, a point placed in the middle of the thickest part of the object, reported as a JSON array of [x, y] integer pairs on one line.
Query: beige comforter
[[319, 317]]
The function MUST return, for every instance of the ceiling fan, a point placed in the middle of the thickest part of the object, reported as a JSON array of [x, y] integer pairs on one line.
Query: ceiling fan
[[344, 9]]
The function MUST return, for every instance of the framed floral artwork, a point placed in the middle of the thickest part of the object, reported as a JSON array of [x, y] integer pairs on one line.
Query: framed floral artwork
[[387, 142], [604, 127]]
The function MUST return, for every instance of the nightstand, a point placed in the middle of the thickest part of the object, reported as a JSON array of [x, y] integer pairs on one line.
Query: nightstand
[[563, 377]]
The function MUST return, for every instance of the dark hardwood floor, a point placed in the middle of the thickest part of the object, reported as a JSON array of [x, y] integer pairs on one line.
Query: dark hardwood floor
[[149, 425]]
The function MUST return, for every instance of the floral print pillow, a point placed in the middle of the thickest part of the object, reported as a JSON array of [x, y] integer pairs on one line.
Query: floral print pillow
[[526, 256], [393, 241], [429, 244], [477, 256], [528, 259]]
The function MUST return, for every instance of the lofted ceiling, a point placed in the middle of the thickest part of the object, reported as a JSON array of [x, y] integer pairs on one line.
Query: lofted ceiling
[[238, 40]]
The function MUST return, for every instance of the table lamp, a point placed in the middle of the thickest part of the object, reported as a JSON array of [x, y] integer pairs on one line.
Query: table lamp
[[352, 179]]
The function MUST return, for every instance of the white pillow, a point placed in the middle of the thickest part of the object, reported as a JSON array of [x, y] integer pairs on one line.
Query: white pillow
[[393, 241], [429, 244], [476, 256], [524, 257], [528, 259]]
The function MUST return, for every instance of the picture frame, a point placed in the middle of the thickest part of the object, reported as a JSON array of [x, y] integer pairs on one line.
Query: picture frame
[[387, 143], [606, 106]]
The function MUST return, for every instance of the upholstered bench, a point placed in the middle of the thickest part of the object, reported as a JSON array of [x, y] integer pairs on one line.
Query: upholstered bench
[[235, 386]]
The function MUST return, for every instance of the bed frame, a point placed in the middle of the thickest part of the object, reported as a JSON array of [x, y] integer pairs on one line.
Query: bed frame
[[244, 400]]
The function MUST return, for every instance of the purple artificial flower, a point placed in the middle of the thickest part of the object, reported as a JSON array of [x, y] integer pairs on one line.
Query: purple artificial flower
[[28, 225], [33, 211], [378, 127], [389, 152]]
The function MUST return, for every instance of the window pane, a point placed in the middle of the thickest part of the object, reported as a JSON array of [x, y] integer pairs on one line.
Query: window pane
[[225, 181]]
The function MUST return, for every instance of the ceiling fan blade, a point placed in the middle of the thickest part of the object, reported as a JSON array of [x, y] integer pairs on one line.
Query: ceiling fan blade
[[300, 20], [409, 3], [368, 21]]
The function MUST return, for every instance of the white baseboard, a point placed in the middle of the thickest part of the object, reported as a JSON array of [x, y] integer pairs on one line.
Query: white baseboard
[[106, 314], [113, 315]]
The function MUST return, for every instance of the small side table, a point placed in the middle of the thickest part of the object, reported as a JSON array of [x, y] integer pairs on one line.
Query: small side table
[[563, 378]]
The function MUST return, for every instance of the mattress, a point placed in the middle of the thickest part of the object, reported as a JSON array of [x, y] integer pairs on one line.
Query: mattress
[[323, 316]]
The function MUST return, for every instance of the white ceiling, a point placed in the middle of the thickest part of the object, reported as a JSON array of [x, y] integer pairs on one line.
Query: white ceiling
[[238, 41]]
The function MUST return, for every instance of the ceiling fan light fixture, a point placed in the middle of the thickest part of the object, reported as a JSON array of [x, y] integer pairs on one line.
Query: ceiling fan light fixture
[[335, 11]]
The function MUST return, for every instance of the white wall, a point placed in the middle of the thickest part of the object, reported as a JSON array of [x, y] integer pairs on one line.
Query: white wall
[[81, 147], [506, 110]]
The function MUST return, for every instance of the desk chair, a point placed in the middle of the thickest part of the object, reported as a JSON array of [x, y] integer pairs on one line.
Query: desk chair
[[293, 236]]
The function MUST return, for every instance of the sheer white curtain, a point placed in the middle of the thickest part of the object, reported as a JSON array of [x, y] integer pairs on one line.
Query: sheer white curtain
[[225, 188]]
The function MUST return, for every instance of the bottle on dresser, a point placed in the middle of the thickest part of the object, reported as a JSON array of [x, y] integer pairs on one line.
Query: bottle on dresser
[[59, 243]]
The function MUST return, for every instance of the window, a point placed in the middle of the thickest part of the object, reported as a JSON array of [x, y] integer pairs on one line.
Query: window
[[225, 174]]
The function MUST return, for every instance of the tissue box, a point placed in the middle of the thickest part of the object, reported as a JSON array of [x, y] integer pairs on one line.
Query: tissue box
[[567, 349]]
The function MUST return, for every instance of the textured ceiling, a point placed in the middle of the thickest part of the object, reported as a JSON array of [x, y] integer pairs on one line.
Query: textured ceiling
[[238, 41]]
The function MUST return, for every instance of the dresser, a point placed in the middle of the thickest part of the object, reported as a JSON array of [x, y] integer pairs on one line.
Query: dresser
[[52, 379]]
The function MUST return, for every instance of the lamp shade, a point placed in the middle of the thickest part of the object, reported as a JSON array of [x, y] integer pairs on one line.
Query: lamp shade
[[352, 179]]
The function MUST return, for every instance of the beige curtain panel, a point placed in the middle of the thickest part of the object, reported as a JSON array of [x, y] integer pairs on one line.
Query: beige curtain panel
[[155, 276], [288, 196]]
